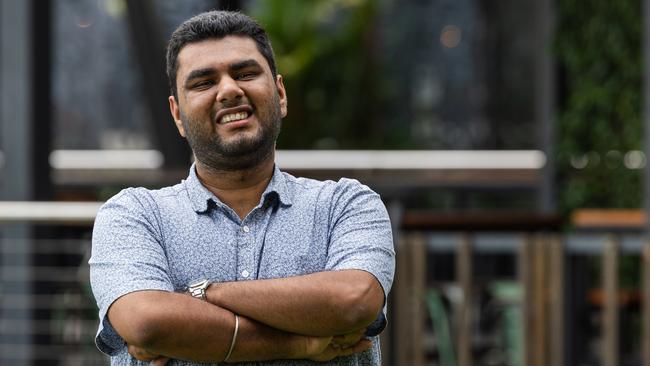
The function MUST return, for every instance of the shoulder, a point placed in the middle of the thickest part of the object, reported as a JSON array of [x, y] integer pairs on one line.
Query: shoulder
[[343, 186], [134, 210], [135, 198], [335, 197], [137, 204]]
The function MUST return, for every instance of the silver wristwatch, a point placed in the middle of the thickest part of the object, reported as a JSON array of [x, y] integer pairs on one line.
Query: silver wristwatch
[[197, 289]]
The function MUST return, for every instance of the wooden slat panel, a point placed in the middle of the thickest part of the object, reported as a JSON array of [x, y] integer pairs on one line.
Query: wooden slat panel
[[645, 289], [610, 310], [540, 339], [410, 281], [556, 298], [385, 340], [525, 274], [464, 278], [418, 275], [401, 303]]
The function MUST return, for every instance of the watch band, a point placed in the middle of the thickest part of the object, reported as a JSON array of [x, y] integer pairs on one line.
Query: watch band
[[197, 289]]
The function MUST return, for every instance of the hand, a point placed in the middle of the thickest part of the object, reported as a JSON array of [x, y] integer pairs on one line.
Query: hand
[[348, 340], [146, 356], [322, 349]]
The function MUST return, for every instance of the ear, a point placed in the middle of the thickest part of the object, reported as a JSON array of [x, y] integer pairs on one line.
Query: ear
[[282, 93], [176, 115]]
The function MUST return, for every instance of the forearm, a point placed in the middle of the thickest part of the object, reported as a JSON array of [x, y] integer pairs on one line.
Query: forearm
[[320, 304], [181, 327]]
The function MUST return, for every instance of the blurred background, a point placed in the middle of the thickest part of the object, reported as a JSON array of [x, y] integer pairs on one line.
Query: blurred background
[[507, 139]]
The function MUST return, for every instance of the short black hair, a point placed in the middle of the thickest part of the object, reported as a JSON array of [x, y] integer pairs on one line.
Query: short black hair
[[215, 24]]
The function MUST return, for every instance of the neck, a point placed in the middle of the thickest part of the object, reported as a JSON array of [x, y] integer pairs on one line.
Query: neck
[[241, 190]]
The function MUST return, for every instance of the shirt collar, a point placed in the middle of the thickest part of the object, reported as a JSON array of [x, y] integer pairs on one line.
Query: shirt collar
[[200, 196], [278, 184]]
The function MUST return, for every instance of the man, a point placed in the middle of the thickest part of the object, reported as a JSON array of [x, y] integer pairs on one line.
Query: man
[[240, 262]]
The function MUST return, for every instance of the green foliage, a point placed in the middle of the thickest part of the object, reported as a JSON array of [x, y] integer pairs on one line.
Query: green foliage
[[598, 47], [324, 51]]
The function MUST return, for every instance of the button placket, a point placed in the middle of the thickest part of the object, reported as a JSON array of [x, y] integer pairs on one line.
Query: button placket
[[247, 239]]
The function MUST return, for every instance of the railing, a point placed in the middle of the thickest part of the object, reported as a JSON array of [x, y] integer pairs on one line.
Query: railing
[[378, 168], [47, 312], [540, 311]]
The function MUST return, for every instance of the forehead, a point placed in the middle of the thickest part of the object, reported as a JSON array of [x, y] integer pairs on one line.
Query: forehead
[[218, 53]]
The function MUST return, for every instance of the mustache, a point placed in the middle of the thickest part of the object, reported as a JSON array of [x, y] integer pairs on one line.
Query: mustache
[[214, 111]]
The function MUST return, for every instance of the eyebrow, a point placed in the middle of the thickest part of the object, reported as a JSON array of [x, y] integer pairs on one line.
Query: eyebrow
[[208, 71], [244, 64], [199, 73]]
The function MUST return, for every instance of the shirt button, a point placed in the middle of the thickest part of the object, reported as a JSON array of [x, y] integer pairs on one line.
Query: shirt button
[[246, 229], [245, 273]]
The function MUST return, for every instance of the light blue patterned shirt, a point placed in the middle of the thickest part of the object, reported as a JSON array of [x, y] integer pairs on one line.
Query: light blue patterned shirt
[[165, 239]]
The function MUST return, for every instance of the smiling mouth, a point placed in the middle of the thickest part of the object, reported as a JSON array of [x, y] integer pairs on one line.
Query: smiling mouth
[[233, 117]]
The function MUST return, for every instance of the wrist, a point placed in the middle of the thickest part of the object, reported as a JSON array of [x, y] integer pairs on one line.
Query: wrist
[[212, 294]]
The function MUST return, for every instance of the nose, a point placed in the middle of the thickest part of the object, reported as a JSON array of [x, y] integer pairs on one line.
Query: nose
[[229, 90]]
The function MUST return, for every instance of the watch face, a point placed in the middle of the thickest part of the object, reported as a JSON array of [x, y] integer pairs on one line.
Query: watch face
[[197, 289]]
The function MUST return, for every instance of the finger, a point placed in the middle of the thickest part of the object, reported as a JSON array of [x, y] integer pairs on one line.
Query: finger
[[142, 358], [348, 339], [357, 334], [160, 361], [361, 346], [338, 345], [141, 354], [343, 339]]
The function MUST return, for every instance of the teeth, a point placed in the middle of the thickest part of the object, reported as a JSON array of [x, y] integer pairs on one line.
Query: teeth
[[234, 117]]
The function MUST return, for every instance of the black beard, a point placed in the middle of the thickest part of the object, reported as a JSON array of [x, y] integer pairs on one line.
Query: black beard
[[240, 155]]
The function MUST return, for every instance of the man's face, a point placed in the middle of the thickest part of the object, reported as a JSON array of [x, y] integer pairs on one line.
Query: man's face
[[229, 106]]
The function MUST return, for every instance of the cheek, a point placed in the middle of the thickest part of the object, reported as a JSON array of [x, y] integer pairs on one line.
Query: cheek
[[198, 102]]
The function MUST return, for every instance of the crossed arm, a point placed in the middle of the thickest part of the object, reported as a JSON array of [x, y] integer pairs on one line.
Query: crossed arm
[[284, 318]]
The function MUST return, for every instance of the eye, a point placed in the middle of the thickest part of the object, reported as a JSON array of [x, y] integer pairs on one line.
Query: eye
[[248, 75], [204, 84]]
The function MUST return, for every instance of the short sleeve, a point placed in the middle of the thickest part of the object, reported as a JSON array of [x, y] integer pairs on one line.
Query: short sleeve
[[127, 256], [361, 236]]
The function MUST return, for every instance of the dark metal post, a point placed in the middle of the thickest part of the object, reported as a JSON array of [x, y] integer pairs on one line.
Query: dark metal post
[[41, 100], [545, 103], [17, 131], [25, 122], [16, 88], [149, 46]]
